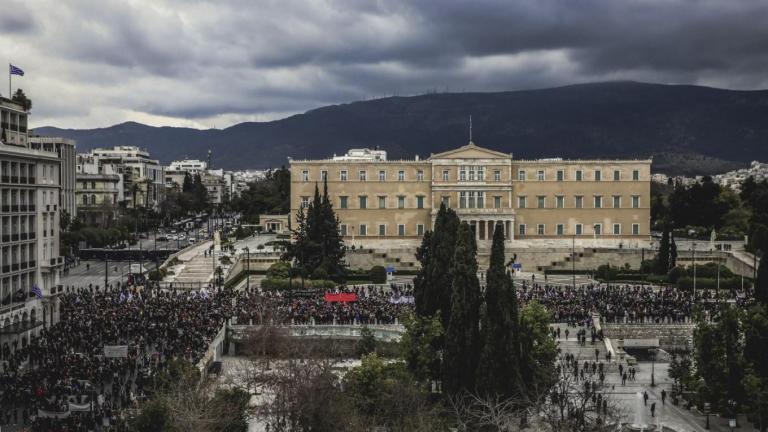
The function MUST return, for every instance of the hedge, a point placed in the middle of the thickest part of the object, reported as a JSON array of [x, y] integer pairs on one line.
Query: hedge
[[378, 274], [686, 282], [273, 284], [567, 272]]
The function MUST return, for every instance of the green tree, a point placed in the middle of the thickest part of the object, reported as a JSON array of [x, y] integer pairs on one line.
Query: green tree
[[756, 356], [719, 358], [421, 346], [761, 284], [462, 336], [662, 259], [421, 283], [434, 291], [367, 342], [317, 242], [672, 253], [538, 351], [498, 374]]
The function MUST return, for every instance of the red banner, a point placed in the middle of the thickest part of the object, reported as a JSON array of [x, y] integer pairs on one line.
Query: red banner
[[343, 297]]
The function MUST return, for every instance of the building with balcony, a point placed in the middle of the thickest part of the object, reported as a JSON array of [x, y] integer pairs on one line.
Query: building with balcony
[[98, 196], [30, 195], [551, 202], [65, 148], [143, 179]]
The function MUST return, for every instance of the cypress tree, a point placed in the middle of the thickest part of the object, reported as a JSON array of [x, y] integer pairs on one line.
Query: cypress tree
[[498, 369], [761, 284], [672, 253], [332, 245], [662, 259], [462, 340], [421, 281], [437, 295]]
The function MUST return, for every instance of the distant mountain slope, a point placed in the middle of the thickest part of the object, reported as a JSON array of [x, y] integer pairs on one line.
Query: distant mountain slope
[[725, 128]]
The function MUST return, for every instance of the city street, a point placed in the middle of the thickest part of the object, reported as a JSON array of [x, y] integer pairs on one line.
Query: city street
[[92, 272]]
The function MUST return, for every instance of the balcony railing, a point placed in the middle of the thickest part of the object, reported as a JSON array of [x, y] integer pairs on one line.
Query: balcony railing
[[14, 208], [14, 179], [5, 179], [32, 180], [6, 268], [32, 207], [6, 208]]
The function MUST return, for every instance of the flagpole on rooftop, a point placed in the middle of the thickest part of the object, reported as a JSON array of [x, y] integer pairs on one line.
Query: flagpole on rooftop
[[10, 77]]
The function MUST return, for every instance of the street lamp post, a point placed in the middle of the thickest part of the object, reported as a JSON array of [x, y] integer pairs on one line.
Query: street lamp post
[[653, 367]]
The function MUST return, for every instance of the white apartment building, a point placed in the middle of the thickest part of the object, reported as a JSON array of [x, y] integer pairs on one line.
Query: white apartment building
[[65, 149], [191, 166], [30, 208], [143, 178]]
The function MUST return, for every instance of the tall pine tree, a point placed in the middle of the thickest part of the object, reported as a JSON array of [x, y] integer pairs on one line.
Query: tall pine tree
[[662, 259], [498, 373], [317, 243], [438, 292], [672, 253], [421, 282], [761, 284], [462, 339]]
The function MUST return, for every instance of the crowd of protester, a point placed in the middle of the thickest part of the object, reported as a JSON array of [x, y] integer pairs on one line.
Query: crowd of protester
[[372, 305], [64, 373], [625, 303]]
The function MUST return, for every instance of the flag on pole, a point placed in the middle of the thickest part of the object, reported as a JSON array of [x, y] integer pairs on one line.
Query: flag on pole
[[36, 291], [13, 70]]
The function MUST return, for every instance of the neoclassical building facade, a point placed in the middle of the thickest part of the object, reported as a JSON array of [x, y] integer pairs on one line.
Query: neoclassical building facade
[[537, 202]]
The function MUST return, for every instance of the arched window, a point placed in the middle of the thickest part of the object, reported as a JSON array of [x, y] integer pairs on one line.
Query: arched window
[[85, 199]]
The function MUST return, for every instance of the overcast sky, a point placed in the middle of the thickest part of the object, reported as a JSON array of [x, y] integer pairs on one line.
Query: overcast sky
[[93, 63]]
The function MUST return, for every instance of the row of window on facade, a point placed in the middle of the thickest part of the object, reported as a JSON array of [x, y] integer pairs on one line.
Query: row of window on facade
[[522, 230], [578, 201], [476, 199], [578, 229], [477, 173], [401, 231]]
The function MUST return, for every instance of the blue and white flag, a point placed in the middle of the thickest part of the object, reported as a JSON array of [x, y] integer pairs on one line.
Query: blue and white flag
[[13, 70], [37, 291]]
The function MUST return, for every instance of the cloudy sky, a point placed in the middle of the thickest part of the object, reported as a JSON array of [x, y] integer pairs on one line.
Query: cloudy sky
[[93, 63]]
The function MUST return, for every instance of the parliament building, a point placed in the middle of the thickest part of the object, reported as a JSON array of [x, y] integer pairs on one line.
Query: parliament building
[[543, 202]]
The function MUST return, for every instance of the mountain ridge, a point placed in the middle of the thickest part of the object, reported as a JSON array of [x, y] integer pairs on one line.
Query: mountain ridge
[[610, 120]]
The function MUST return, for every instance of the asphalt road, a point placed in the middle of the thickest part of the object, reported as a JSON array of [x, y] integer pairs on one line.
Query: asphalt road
[[92, 272]]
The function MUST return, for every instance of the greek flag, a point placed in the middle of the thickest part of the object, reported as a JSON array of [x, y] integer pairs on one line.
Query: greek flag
[[13, 70], [36, 291]]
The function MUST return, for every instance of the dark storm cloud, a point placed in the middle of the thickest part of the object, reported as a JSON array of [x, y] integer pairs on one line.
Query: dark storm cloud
[[20, 21], [198, 62]]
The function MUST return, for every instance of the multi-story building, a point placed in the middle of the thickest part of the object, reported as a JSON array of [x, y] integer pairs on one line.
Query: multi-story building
[[29, 245], [65, 148], [191, 166], [98, 196], [536, 202], [143, 180]]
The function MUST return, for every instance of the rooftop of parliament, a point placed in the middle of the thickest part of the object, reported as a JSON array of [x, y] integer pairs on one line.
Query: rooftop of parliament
[[539, 203]]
